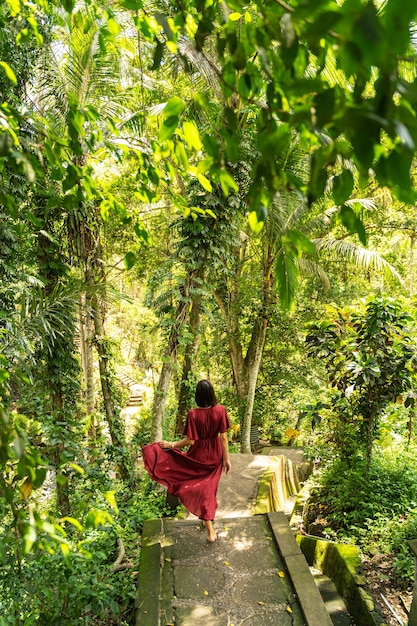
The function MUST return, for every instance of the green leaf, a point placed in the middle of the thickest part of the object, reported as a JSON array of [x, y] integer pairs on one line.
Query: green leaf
[[68, 5], [14, 7], [342, 186], [6, 144], [73, 521], [129, 260], [352, 223], [19, 446], [40, 475], [157, 56], [256, 219], [109, 495], [113, 26], [168, 127], [286, 276], [228, 79], [227, 183], [296, 242], [204, 182], [211, 146], [9, 72], [181, 155], [77, 468], [29, 538], [65, 549], [97, 518], [192, 135], [174, 107], [142, 233], [133, 5], [398, 166], [324, 105]]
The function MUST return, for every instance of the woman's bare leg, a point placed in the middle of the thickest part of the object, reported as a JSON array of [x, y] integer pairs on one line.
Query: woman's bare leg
[[211, 535]]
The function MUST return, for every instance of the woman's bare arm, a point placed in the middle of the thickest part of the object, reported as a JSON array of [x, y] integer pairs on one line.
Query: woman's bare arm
[[177, 444], [226, 456]]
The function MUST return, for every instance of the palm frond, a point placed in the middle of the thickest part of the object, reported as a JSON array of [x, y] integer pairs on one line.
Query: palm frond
[[286, 276], [309, 267], [359, 256], [202, 65], [322, 221], [40, 319], [366, 203]]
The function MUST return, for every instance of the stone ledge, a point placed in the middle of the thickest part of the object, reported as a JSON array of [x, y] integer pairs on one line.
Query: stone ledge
[[342, 564], [350, 585], [277, 487], [311, 602], [150, 570]]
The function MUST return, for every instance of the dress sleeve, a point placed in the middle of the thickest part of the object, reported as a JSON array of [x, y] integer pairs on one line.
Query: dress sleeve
[[190, 429], [224, 422]]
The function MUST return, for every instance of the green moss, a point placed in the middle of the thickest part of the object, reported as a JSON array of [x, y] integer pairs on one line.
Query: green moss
[[341, 563], [263, 497]]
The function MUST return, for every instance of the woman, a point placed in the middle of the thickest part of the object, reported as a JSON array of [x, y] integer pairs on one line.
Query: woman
[[193, 476]]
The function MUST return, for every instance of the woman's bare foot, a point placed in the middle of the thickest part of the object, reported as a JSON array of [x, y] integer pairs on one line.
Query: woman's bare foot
[[211, 535]]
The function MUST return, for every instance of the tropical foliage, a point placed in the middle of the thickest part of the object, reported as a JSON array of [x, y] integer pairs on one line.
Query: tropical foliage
[[187, 190]]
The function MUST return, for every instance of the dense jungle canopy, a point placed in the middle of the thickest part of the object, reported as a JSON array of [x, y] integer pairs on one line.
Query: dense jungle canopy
[[200, 189]]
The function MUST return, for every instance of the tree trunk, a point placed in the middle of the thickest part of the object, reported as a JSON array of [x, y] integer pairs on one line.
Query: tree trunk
[[253, 371], [169, 361], [89, 250], [246, 370], [190, 355], [62, 493], [87, 361], [124, 462], [370, 435], [239, 368], [160, 397]]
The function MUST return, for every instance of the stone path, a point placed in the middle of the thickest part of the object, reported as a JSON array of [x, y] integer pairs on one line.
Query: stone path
[[254, 575], [237, 491]]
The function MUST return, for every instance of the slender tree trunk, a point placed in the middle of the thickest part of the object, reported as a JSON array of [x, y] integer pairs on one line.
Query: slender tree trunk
[[253, 371], [87, 361], [115, 423], [190, 355], [160, 397], [246, 369], [89, 250], [170, 358], [62, 494], [239, 367], [370, 441], [86, 347], [58, 367]]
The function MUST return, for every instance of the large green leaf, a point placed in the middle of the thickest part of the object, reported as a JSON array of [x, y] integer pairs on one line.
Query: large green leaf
[[286, 276]]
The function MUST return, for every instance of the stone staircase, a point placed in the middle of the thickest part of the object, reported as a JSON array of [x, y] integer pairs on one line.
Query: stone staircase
[[136, 389], [255, 574]]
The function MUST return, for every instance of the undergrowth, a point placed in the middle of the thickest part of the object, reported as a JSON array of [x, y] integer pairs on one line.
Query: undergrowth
[[374, 508], [52, 587]]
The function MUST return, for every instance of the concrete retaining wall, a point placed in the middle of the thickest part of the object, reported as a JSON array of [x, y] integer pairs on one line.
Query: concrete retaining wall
[[278, 486], [279, 490], [342, 563]]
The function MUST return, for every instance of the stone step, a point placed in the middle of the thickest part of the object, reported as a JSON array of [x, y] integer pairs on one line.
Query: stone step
[[254, 575], [334, 604]]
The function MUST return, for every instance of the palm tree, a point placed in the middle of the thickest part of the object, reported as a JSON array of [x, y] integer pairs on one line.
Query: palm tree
[[295, 239]]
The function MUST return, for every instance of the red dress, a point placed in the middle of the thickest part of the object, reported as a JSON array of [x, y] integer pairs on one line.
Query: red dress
[[193, 476]]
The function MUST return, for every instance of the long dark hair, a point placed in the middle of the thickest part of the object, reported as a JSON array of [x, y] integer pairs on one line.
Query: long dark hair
[[204, 394]]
